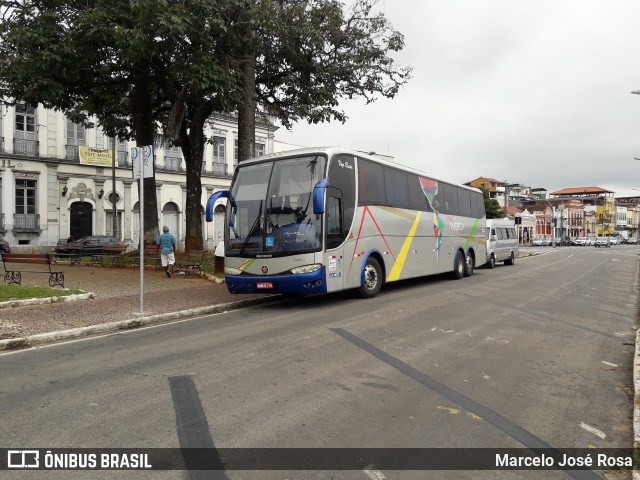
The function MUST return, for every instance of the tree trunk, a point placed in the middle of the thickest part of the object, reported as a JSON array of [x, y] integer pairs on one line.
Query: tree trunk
[[193, 151], [144, 128], [247, 112]]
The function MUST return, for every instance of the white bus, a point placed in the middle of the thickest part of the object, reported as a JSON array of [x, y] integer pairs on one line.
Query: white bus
[[327, 219]]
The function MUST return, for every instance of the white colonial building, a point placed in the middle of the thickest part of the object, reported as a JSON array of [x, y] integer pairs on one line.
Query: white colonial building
[[47, 194]]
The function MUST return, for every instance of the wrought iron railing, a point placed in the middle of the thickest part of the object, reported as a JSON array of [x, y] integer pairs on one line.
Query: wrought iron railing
[[123, 159], [23, 146], [26, 221], [172, 164], [2, 144], [219, 168], [2, 222], [72, 153]]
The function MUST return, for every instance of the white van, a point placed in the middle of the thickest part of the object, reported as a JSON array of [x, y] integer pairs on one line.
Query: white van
[[502, 242]]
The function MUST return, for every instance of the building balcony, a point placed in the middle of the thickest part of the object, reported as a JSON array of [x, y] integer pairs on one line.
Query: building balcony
[[23, 146], [171, 164], [123, 159], [72, 153], [219, 169], [26, 222]]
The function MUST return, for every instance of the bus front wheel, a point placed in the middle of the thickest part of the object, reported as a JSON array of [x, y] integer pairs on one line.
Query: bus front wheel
[[458, 266], [372, 281]]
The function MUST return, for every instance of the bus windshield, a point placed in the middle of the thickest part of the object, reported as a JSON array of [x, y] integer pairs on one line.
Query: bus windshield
[[272, 208]]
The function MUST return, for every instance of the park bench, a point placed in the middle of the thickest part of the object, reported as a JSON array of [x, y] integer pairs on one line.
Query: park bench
[[151, 256], [72, 252], [15, 264], [115, 252], [193, 262]]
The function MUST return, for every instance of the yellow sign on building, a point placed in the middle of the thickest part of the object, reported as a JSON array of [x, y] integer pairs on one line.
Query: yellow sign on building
[[96, 156]]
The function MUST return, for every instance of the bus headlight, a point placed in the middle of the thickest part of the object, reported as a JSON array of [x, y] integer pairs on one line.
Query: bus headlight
[[232, 271], [306, 269]]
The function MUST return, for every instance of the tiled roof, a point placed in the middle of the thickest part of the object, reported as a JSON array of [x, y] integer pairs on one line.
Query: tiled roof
[[581, 190]]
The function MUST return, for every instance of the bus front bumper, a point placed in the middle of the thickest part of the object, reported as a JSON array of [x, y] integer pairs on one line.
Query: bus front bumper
[[302, 284]]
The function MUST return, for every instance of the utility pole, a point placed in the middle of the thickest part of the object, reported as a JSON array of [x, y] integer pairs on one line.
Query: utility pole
[[114, 195]]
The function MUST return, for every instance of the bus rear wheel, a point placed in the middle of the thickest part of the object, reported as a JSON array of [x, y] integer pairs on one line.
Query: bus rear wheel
[[492, 261], [372, 279], [469, 264], [458, 266]]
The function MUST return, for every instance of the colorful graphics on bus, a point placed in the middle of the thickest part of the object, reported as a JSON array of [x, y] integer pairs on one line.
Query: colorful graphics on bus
[[430, 189]]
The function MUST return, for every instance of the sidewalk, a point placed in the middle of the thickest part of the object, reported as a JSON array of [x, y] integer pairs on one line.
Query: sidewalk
[[117, 299]]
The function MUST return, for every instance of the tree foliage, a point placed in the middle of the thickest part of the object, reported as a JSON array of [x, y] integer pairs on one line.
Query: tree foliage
[[151, 68], [491, 206], [309, 55]]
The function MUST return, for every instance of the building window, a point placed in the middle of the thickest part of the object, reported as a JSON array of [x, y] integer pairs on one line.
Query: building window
[[219, 156], [172, 157], [25, 118], [25, 217], [235, 153], [259, 149], [25, 196], [75, 139]]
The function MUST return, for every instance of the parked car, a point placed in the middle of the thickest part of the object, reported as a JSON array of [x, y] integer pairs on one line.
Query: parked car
[[4, 246], [538, 242], [602, 242], [579, 241], [91, 245], [632, 241], [591, 241], [613, 240]]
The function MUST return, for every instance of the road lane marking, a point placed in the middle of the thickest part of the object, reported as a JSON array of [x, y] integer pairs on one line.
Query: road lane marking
[[373, 473], [610, 364], [593, 430], [490, 416]]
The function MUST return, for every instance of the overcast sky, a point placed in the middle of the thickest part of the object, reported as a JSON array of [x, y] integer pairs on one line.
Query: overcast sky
[[528, 91]]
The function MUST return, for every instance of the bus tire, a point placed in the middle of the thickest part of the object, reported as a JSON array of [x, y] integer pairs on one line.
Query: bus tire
[[492, 261], [469, 264], [372, 281], [511, 260], [458, 266]]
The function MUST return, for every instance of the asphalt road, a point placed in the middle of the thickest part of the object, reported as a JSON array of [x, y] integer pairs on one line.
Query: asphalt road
[[536, 354]]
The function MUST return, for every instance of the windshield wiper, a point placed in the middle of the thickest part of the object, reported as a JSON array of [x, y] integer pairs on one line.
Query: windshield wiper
[[256, 223], [275, 230]]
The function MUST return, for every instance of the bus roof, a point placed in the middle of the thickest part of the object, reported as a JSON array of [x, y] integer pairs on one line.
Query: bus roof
[[331, 151]]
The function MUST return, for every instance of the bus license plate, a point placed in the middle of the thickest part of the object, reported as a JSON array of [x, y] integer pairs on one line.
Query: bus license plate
[[263, 285]]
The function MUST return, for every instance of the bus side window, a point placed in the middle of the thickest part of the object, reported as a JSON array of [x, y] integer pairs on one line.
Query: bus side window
[[335, 233]]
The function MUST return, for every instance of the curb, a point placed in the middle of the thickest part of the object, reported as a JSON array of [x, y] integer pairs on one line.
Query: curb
[[44, 301], [636, 401], [30, 341]]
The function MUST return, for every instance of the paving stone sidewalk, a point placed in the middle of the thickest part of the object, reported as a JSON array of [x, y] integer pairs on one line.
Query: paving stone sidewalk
[[117, 298]]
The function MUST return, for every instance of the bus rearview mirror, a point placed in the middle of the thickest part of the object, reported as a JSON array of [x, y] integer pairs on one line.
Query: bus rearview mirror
[[318, 196]]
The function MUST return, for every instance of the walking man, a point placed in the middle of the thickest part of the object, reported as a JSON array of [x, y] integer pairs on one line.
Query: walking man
[[167, 245]]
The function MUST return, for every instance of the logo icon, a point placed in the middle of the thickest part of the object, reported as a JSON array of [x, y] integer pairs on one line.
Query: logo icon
[[265, 269], [23, 459]]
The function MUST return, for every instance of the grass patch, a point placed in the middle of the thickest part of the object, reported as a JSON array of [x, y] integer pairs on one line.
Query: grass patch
[[22, 292]]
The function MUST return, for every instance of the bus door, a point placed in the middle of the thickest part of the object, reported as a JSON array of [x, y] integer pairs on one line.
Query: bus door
[[334, 240]]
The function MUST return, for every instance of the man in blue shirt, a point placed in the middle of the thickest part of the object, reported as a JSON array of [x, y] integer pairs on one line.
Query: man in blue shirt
[[167, 245]]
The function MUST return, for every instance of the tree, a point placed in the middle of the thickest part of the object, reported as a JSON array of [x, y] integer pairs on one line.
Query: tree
[[491, 206], [302, 57], [145, 69], [85, 61]]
